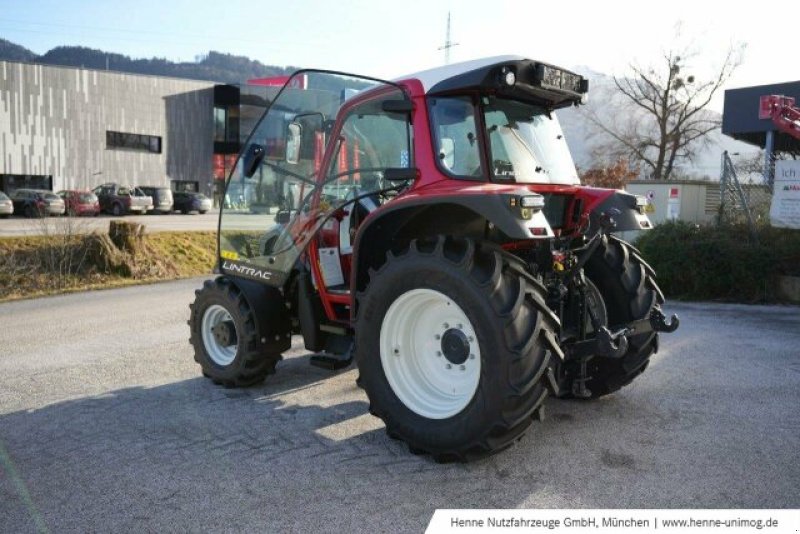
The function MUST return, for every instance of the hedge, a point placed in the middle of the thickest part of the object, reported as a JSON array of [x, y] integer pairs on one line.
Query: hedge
[[720, 262]]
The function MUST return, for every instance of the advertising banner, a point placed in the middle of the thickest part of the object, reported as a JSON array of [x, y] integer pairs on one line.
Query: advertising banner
[[785, 209]]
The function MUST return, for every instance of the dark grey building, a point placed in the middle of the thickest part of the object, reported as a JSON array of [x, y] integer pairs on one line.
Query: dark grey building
[[71, 128]]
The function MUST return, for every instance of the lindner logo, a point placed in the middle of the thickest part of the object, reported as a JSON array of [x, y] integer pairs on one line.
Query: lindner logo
[[792, 187]]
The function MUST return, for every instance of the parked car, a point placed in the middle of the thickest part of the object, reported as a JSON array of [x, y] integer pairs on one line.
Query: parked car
[[120, 199], [186, 201], [6, 206], [162, 198], [80, 202], [37, 203]]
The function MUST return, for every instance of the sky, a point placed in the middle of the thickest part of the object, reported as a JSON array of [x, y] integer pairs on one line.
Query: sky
[[387, 39]]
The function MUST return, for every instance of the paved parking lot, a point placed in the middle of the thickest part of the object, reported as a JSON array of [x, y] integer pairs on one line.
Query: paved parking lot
[[106, 425]]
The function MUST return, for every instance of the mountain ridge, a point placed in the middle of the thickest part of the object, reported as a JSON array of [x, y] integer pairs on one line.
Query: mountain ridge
[[214, 66]]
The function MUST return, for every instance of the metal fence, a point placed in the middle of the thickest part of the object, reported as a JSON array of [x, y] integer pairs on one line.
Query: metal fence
[[745, 193]]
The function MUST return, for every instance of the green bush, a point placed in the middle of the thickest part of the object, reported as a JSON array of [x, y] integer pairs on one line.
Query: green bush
[[720, 262]]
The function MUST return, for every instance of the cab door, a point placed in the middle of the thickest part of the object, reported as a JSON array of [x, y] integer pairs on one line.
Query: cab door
[[317, 149], [368, 140]]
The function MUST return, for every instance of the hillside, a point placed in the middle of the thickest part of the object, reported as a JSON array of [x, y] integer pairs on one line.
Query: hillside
[[14, 52], [215, 67]]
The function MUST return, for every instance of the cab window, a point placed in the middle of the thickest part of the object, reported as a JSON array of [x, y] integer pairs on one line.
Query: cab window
[[370, 141], [455, 135]]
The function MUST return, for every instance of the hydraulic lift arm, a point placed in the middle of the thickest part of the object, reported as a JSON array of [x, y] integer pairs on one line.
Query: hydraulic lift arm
[[783, 112]]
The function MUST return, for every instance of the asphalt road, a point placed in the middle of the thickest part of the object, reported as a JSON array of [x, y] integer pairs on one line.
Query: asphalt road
[[21, 226], [106, 425]]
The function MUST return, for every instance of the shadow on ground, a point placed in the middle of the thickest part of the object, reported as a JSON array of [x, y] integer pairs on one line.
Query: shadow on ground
[[702, 428]]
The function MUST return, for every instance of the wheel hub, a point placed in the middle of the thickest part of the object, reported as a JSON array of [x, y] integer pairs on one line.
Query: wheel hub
[[219, 335], [225, 333], [430, 353], [455, 346]]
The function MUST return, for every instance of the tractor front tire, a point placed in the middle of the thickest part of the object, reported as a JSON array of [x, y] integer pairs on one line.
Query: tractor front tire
[[628, 287], [452, 346], [224, 336]]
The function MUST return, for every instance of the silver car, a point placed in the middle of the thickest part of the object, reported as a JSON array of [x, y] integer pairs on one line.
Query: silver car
[[6, 206]]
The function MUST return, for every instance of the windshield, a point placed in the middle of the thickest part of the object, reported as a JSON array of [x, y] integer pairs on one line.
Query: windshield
[[88, 197], [526, 144]]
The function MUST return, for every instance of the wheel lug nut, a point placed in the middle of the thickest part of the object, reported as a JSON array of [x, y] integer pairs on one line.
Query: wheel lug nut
[[446, 326], [471, 356], [449, 366], [470, 339], [460, 326], [463, 367], [438, 353], [397, 352], [438, 336]]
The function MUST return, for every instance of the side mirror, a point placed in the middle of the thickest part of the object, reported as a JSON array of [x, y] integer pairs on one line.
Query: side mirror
[[283, 217], [252, 159], [447, 152], [294, 138]]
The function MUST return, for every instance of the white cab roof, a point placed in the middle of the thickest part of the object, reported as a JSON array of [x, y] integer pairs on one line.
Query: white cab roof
[[431, 77]]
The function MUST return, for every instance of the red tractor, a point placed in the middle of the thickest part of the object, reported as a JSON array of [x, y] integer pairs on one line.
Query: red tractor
[[434, 229]]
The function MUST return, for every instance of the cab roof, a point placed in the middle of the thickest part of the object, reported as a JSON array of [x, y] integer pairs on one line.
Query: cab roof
[[433, 77], [508, 76]]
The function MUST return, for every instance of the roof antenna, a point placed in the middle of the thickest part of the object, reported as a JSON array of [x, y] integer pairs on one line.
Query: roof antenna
[[448, 44]]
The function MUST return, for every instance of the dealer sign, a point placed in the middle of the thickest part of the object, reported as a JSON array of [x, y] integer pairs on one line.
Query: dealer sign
[[785, 209]]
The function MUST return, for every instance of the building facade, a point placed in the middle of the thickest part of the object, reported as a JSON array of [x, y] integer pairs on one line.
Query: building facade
[[73, 128]]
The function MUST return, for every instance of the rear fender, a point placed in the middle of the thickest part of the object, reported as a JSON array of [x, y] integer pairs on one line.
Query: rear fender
[[618, 205], [495, 217]]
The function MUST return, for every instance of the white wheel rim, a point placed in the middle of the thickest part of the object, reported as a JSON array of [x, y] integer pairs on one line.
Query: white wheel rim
[[425, 377], [220, 354]]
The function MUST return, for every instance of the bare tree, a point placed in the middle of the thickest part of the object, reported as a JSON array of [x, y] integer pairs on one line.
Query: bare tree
[[656, 116]]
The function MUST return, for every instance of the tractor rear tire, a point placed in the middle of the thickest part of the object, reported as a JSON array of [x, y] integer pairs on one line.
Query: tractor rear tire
[[230, 356], [453, 344], [628, 287]]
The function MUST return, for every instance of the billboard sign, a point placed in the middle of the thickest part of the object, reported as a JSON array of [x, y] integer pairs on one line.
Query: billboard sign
[[785, 209]]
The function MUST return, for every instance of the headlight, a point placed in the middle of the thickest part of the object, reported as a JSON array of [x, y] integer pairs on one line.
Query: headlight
[[641, 201], [508, 76], [532, 201]]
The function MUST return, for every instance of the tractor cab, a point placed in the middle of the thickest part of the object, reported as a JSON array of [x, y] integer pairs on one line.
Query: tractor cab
[[329, 150], [333, 148]]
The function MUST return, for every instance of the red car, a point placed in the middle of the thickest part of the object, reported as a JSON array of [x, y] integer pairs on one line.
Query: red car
[[80, 202]]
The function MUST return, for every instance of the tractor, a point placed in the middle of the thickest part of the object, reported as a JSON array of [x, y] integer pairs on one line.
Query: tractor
[[433, 229]]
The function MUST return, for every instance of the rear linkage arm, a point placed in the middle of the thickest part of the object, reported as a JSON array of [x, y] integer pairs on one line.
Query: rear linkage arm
[[609, 343]]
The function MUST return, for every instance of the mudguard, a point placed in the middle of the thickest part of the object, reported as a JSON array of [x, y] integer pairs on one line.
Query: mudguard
[[473, 215], [622, 208], [269, 310]]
